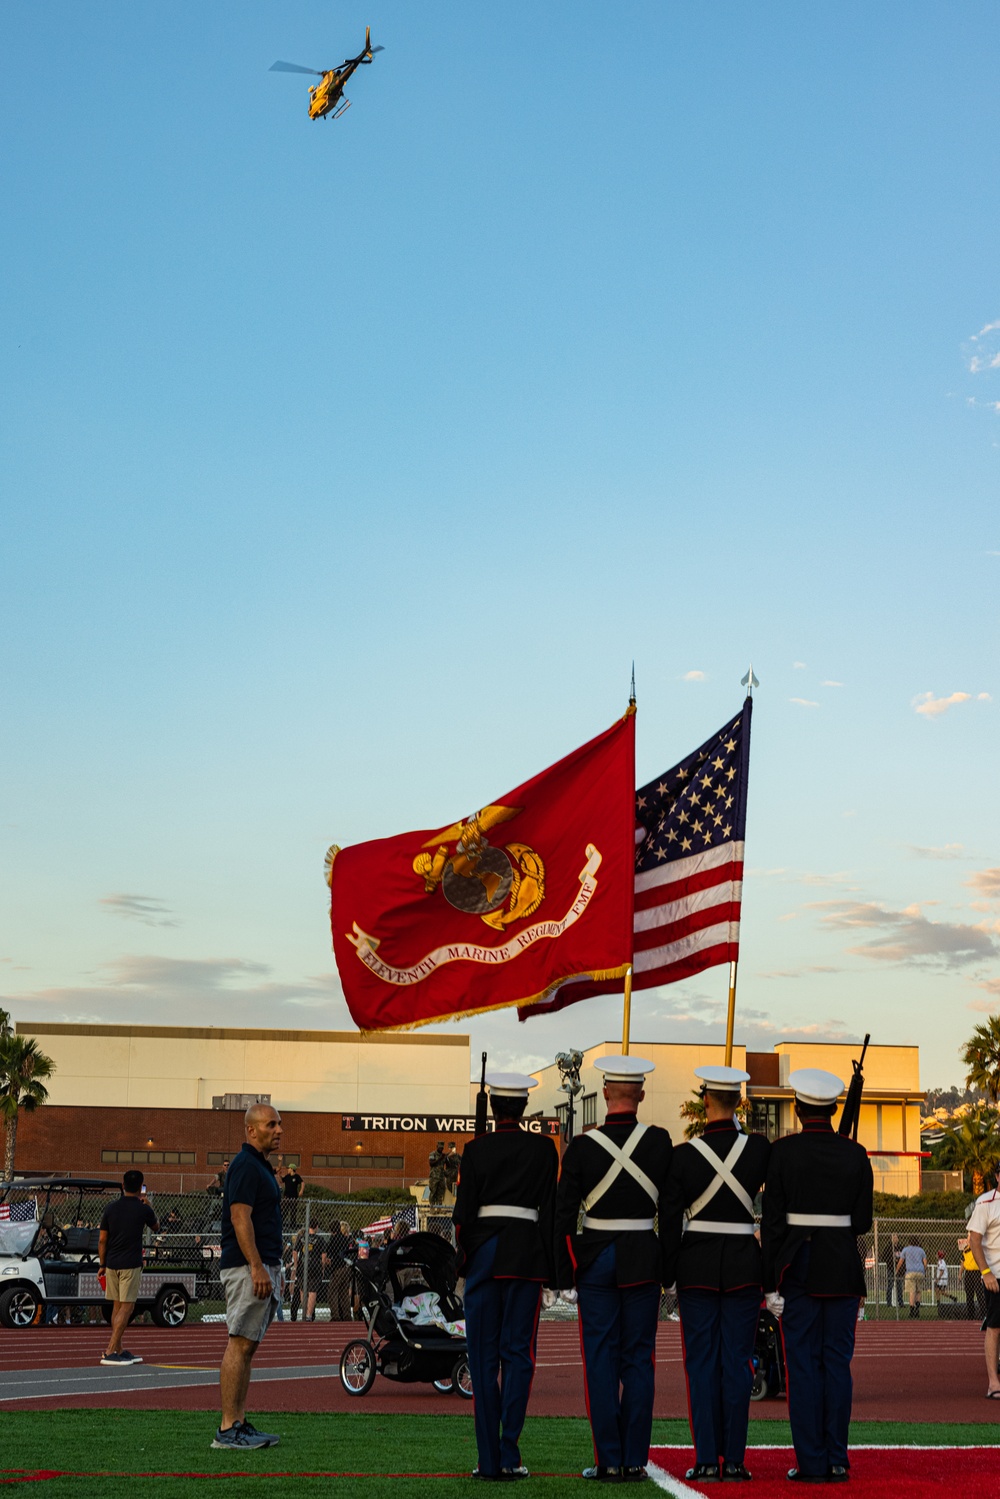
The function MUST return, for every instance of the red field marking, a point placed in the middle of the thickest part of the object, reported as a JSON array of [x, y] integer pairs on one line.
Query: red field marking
[[876, 1472]]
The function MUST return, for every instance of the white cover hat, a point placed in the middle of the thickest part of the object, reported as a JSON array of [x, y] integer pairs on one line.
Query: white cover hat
[[624, 1069], [813, 1085], [510, 1084], [722, 1079]]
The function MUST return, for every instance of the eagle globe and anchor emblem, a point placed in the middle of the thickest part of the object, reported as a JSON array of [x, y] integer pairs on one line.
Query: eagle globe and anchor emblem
[[500, 885]]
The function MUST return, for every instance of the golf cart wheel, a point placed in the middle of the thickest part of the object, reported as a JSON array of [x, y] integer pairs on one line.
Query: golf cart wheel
[[759, 1388], [19, 1306], [357, 1367], [461, 1378], [444, 1386], [170, 1308]]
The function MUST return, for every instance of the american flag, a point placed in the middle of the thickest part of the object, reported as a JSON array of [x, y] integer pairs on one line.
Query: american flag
[[690, 825], [17, 1212], [380, 1226]]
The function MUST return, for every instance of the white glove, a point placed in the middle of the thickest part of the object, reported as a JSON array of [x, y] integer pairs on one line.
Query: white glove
[[548, 1298], [775, 1303], [569, 1296]]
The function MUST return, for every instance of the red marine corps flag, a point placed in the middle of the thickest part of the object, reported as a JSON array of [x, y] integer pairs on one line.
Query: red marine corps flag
[[499, 908]]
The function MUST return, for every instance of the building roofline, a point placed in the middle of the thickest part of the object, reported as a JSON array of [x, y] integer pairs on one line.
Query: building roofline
[[218, 1033]]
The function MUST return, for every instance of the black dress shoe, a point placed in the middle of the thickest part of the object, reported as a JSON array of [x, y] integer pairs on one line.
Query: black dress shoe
[[737, 1471], [703, 1473], [837, 1475], [602, 1475], [798, 1477], [634, 1475]]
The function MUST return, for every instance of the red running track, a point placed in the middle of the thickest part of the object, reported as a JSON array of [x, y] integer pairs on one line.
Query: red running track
[[876, 1472], [902, 1372]]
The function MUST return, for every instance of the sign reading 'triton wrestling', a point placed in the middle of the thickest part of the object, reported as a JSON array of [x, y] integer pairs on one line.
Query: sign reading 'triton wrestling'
[[435, 1124]]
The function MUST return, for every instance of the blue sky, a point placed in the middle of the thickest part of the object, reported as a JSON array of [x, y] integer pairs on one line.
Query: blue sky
[[346, 467]]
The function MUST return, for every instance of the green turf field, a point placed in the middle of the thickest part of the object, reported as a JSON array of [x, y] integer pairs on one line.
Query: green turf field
[[136, 1442]]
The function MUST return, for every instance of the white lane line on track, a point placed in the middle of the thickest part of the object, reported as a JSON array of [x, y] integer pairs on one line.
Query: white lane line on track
[[89, 1389]]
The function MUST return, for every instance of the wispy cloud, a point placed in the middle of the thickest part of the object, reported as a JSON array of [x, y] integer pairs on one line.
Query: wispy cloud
[[804, 702], [700, 1016], [798, 666], [828, 683], [907, 936], [145, 908], [985, 882], [932, 707], [946, 851], [214, 991], [694, 676]]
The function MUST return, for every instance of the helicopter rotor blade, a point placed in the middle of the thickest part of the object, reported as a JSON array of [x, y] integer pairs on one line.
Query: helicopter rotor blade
[[293, 67]]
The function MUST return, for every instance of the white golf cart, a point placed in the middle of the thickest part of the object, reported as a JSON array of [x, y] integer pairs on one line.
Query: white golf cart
[[49, 1255]]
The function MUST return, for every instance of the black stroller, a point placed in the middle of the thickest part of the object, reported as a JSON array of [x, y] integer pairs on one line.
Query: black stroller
[[768, 1359], [395, 1345]]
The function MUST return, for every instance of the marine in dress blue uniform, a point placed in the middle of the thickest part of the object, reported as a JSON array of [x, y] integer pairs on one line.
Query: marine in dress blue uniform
[[616, 1174], [504, 1224], [712, 1254], [817, 1200]]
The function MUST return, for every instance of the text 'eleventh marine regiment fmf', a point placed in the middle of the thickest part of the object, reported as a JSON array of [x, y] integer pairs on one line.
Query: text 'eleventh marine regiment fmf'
[[630, 1213]]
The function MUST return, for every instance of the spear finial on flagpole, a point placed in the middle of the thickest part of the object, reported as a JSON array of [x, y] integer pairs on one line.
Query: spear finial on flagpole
[[631, 696], [749, 681]]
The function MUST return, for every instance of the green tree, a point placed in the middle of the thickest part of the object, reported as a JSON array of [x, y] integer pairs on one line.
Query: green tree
[[6, 1029], [22, 1068], [694, 1112], [972, 1145], [982, 1057]]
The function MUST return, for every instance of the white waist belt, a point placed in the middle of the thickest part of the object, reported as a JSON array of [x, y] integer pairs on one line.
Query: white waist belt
[[818, 1220], [617, 1225], [703, 1226], [504, 1210]]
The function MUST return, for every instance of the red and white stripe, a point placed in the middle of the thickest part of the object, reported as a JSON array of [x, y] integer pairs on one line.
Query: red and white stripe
[[687, 915]]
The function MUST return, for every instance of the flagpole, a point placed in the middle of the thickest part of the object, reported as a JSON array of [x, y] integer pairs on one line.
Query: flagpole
[[627, 1008], [749, 682], [627, 1018]]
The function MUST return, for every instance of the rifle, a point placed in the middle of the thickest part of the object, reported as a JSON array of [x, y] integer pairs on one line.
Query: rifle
[[851, 1116], [481, 1103]]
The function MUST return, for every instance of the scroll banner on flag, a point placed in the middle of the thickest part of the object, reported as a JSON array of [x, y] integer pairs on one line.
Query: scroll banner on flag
[[499, 908], [690, 825]]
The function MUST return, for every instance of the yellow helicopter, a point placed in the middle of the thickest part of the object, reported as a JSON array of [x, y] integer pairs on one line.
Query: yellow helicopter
[[327, 97]]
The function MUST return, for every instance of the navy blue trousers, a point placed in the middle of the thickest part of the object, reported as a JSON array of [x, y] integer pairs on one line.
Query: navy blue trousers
[[618, 1332], [818, 1334], [720, 1329], [501, 1325]]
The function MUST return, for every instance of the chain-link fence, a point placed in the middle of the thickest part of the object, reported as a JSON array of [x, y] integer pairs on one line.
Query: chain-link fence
[[920, 1267]]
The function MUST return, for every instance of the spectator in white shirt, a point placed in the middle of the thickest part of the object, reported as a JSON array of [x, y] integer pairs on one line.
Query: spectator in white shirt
[[984, 1241]]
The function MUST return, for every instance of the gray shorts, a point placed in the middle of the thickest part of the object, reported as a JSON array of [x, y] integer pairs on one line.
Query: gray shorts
[[247, 1315]]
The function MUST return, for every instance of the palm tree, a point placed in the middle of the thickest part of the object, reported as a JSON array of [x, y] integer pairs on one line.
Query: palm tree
[[22, 1067], [982, 1057], [972, 1144]]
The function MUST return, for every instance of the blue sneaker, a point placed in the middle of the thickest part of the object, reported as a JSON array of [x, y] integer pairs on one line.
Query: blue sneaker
[[235, 1438], [267, 1438]]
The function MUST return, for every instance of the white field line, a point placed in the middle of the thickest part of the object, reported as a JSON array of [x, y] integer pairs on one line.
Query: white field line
[[670, 1484]]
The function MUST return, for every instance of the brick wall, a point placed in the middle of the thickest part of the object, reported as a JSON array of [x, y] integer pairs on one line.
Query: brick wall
[[70, 1140]]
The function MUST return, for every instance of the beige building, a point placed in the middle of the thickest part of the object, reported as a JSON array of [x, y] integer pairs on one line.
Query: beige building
[[183, 1067], [890, 1115]]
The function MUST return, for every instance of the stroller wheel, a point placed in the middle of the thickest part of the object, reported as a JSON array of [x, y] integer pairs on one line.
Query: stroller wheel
[[444, 1386], [759, 1388], [461, 1378], [357, 1367]]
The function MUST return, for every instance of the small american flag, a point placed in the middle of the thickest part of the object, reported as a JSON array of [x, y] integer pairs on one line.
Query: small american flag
[[17, 1212], [690, 826], [380, 1226]]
